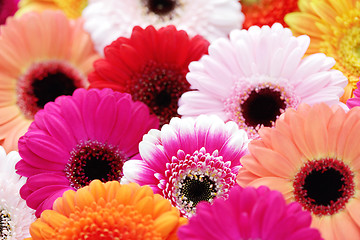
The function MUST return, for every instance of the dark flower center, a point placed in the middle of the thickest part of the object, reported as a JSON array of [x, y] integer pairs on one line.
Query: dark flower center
[[198, 188], [161, 7], [262, 107], [5, 225], [93, 160], [50, 87], [159, 86], [43, 83], [324, 186]]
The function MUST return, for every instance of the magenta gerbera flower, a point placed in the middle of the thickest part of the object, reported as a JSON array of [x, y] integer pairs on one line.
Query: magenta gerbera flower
[[250, 213], [77, 139], [189, 160], [355, 100]]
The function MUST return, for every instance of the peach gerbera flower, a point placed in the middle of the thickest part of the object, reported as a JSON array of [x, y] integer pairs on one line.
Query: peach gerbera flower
[[38, 63], [312, 157], [72, 8], [109, 211], [334, 29]]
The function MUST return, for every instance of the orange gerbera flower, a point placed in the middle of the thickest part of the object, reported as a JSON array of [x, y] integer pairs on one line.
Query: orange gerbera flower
[[109, 211], [334, 29], [42, 56], [312, 156], [72, 8], [266, 12]]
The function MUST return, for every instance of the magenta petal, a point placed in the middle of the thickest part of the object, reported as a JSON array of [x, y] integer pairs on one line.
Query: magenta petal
[[46, 147], [59, 129], [25, 192], [122, 122], [88, 112], [36, 161], [37, 197], [46, 179], [74, 119], [26, 170], [154, 156], [106, 112]]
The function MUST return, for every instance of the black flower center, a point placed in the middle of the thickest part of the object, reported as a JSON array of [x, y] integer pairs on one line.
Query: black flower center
[[159, 86], [51, 86], [45, 81], [163, 99], [324, 186], [197, 189], [93, 160], [262, 107], [5, 225], [161, 7]]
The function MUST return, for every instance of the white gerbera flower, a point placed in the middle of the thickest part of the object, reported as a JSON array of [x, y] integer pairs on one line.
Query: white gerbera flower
[[106, 20], [15, 215], [254, 76]]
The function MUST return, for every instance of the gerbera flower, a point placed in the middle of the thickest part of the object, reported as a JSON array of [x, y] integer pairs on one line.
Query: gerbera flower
[[334, 29], [151, 65], [266, 12], [107, 20], [37, 64], [7, 8], [189, 160], [258, 74], [355, 100], [249, 213], [15, 216], [311, 157], [71, 8], [109, 211], [77, 139]]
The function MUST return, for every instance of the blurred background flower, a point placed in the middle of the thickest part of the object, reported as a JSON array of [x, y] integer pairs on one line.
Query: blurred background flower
[[266, 12], [106, 20]]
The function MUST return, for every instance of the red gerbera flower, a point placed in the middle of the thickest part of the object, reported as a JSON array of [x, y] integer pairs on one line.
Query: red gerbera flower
[[150, 65], [266, 12]]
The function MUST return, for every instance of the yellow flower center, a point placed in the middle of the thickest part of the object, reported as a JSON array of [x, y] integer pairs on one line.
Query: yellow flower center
[[108, 220]]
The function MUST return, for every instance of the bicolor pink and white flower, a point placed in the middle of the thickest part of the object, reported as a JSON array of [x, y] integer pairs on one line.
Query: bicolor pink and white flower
[[189, 160], [77, 139], [250, 213], [254, 76]]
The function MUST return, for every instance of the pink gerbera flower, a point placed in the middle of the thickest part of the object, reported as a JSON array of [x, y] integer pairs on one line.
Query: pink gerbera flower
[[250, 213], [355, 100], [189, 160], [256, 75], [77, 139]]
